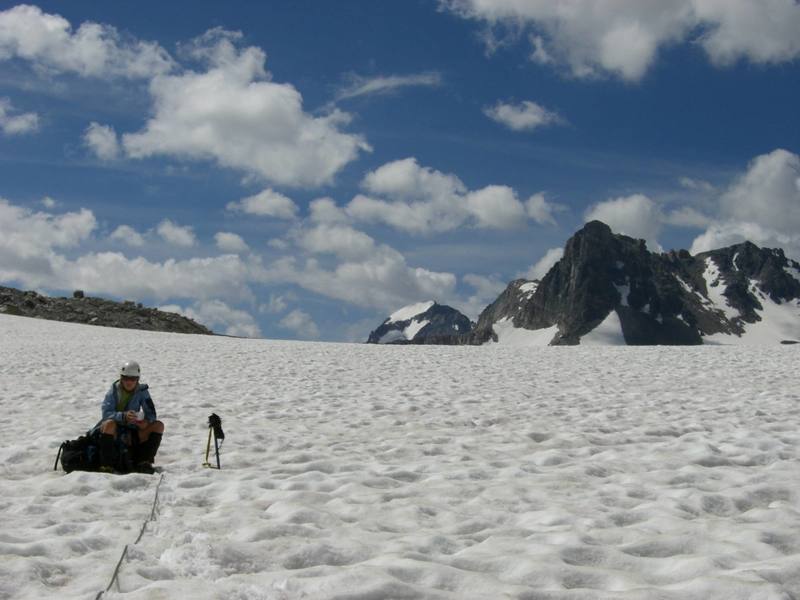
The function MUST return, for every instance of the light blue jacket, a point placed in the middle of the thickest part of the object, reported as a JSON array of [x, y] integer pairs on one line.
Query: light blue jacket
[[140, 399]]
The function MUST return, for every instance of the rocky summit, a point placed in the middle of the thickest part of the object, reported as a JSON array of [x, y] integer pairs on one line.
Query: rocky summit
[[611, 280], [419, 323], [95, 311]]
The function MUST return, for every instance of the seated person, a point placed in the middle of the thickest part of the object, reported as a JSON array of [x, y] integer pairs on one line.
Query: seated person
[[124, 400]]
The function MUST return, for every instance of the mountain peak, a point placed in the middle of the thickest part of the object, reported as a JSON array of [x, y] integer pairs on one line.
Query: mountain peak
[[417, 322]]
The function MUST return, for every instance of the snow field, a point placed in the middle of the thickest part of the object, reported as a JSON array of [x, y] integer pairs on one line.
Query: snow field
[[373, 472]]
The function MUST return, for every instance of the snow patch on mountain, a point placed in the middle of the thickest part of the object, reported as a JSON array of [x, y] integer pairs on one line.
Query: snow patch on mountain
[[715, 287], [778, 322], [508, 335], [410, 311], [607, 333]]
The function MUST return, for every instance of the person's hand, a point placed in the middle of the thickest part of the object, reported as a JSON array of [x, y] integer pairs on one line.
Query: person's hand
[[130, 417]]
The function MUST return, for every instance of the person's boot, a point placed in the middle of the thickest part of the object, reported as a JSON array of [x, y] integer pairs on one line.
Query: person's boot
[[147, 453], [105, 448]]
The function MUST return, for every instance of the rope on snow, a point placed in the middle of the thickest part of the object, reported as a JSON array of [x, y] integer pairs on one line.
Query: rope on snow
[[115, 576]]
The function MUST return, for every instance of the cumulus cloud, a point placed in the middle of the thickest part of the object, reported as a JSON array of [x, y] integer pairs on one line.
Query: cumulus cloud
[[496, 207], [230, 242], [728, 233], [419, 199], [29, 240], [623, 38], [637, 216], [102, 140], [325, 210], [346, 264], [544, 264], [541, 210], [16, 124], [268, 203], [219, 317], [525, 116], [762, 205], [176, 235], [235, 115], [300, 323], [32, 246], [127, 235], [767, 194], [93, 50], [368, 86], [340, 240]]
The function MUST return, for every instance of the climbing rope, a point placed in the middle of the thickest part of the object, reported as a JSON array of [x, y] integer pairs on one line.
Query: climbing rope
[[115, 576]]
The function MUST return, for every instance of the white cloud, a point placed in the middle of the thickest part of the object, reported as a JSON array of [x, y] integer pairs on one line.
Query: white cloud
[[762, 205], [325, 210], [544, 264], [16, 124], [762, 31], [94, 50], [276, 304], [176, 235], [268, 203], [230, 242], [623, 37], [525, 116], [362, 272], [219, 317], [300, 323], [49, 203], [102, 141], [723, 234], [368, 86], [636, 216], [31, 253], [340, 240], [127, 235], [496, 207], [697, 185], [687, 217], [225, 276], [767, 194], [541, 211], [406, 179], [233, 114], [422, 200], [29, 235]]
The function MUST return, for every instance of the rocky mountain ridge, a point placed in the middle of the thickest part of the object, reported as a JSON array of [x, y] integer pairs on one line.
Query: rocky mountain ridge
[[609, 288], [95, 311]]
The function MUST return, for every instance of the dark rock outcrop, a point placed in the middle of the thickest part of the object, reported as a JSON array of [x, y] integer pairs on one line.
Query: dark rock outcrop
[[435, 321], [95, 311]]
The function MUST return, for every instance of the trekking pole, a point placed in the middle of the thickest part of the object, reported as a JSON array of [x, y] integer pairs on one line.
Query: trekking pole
[[215, 429]]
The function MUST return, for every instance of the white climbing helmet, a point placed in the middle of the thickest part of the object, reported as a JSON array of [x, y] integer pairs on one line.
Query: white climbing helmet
[[130, 369]]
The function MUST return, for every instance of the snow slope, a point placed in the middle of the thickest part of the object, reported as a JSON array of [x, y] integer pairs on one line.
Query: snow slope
[[374, 472]]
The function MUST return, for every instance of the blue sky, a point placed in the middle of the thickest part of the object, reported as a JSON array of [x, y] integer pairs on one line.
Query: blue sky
[[300, 170]]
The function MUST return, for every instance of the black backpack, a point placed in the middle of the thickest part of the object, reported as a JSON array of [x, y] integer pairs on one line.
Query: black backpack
[[79, 455], [83, 454]]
